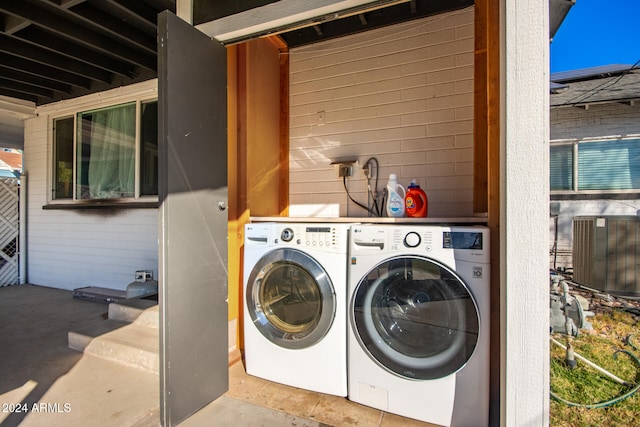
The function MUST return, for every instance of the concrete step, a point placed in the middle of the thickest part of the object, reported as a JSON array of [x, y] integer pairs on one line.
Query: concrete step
[[130, 344], [130, 336], [141, 312], [80, 338]]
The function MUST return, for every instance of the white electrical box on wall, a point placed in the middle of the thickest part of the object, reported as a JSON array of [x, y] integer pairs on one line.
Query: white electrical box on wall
[[143, 275], [344, 167]]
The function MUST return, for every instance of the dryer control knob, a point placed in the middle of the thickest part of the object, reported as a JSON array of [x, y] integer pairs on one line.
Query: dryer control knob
[[412, 240], [287, 235]]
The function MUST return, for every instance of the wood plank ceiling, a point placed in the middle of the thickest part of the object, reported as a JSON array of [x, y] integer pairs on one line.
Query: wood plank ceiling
[[52, 50], [58, 49]]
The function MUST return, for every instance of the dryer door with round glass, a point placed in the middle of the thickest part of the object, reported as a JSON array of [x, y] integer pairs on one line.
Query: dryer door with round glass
[[290, 299], [415, 317]]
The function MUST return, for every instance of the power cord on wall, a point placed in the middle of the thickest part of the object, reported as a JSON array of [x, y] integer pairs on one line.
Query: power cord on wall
[[376, 209]]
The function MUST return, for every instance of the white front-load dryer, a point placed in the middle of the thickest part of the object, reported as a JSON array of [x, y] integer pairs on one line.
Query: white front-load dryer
[[295, 282], [418, 339]]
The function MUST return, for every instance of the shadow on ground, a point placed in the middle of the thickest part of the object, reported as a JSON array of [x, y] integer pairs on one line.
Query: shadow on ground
[[34, 353]]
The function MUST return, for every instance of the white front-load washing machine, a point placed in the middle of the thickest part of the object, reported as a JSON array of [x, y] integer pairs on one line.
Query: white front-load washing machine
[[295, 282], [418, 339]]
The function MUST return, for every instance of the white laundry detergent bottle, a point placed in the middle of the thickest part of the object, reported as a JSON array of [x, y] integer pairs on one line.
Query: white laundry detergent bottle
[[395, 197]]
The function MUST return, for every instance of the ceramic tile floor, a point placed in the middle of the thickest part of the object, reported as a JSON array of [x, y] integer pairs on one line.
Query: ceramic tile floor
[[324, 409]]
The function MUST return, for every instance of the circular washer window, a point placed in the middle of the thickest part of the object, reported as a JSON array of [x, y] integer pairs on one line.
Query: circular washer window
[[415, 317], [290, 299]]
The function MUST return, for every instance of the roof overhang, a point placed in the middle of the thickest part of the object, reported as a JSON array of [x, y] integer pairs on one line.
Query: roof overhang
[[558, 10], [610, 84], [12, 114], [16, 108]]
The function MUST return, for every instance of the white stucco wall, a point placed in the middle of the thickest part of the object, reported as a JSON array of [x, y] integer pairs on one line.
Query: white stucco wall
[[402, 94], [571, 124], [69, 249], [524, 213]]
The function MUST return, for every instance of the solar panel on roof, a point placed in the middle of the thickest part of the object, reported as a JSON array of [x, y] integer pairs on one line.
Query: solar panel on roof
[[588, 73]]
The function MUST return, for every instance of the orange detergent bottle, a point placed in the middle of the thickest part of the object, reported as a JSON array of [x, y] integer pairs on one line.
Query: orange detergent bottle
[[415, 202]]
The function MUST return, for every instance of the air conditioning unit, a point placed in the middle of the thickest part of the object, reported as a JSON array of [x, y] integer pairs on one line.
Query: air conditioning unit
[[606, 253]]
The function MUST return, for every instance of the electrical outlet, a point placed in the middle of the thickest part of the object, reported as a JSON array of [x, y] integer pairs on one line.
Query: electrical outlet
[[344, 166], [345, 170]]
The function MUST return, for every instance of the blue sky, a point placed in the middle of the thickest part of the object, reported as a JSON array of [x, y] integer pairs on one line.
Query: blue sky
[[597, 32]]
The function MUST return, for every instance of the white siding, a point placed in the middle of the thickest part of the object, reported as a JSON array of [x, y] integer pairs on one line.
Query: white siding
[[402, 94], [68, 249]]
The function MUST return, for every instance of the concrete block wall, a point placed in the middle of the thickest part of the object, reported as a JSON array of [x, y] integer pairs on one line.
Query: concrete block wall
[[598, 121], [402, 94]]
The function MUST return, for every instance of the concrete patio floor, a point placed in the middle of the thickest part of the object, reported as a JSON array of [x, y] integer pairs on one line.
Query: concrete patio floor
[[44, 383]]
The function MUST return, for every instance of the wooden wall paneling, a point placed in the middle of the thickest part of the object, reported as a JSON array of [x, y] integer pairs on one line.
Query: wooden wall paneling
[[487, 164], [283, 49], [238, 214], [263, 127], [259, 140]]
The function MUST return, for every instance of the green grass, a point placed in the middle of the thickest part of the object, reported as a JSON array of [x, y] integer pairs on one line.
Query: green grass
[[586, 386]]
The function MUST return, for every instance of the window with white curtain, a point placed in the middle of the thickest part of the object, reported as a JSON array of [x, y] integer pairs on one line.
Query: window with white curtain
[[595, 166], [106, 153]]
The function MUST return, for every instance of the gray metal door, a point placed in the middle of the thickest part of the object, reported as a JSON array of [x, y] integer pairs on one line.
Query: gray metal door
[[192, 101]]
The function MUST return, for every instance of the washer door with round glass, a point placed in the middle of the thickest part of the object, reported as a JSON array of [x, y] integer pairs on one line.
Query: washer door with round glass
[[415, 317], [290, 299]]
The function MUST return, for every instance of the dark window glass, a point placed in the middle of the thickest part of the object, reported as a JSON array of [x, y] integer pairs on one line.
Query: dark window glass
[[63, 158], [149, 149]]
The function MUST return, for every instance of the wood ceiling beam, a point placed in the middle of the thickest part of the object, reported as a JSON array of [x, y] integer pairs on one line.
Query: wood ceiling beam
[[13, 24], [48, 19], [34, 80], [45, 71], [43, 56], [25, 88], [18, 95], [136, 13], [127, 30], [62, 46]]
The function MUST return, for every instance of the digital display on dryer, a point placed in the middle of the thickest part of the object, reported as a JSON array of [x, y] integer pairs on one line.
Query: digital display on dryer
[[461, 240], [318, 229]]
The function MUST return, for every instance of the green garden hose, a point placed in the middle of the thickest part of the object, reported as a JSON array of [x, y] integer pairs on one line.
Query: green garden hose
[[615, 400], [630, 340]]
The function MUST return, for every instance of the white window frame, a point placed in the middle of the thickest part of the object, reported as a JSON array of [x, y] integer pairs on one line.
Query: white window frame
[[73, 113], [575, 143]]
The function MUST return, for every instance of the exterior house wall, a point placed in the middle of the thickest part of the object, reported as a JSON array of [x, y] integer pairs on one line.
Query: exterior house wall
[[69, 249], [575, 124], [402, 94]]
